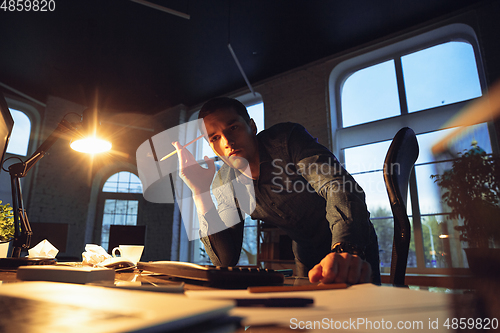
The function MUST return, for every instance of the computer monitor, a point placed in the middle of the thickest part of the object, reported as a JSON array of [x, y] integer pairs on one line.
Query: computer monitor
[[6, 125]]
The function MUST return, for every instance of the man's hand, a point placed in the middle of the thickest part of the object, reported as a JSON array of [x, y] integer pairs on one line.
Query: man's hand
[[341, 267], [197, 178]]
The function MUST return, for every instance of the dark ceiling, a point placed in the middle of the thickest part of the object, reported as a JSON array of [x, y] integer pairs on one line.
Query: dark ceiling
[[138, 59]]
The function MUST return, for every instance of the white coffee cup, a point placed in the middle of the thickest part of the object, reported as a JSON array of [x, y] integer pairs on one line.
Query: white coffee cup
[[130, 252]]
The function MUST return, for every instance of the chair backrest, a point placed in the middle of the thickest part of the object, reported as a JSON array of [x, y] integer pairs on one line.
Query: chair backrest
[[126, 235], [398, 164]]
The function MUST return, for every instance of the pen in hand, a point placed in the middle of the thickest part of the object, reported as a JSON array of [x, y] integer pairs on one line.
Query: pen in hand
[[175, 151]]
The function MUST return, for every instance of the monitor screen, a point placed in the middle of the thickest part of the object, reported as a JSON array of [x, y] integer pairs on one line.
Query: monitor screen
[[6, 125]]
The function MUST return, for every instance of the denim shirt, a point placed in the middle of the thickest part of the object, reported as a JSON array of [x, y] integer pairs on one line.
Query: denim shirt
[[303, 190]]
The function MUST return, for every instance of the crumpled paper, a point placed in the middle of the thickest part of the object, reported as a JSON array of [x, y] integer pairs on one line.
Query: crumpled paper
[[43, 249], [94, 254]]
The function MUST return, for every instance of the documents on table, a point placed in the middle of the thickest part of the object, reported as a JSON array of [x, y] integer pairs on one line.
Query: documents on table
[[359, 305]]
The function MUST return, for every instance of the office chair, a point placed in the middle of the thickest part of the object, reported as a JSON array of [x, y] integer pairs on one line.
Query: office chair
[[398, 164]]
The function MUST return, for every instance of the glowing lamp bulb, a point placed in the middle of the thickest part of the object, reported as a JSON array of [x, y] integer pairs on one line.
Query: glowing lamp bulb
[[91, 145]]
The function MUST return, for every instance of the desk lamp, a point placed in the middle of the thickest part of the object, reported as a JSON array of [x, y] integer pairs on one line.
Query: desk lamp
[[84, 139]]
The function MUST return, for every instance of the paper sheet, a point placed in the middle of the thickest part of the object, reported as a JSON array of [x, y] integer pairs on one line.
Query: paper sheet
[[355, 306]]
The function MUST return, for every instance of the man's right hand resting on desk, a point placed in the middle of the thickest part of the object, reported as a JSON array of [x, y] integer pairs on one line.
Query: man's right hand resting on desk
[[341, 267]]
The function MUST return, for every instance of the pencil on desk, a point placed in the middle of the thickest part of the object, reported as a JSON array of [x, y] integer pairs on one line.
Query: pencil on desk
[[273, 289], [175, 151]]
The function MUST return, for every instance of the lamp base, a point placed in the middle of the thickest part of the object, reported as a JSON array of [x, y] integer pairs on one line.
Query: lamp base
[[12, 263]]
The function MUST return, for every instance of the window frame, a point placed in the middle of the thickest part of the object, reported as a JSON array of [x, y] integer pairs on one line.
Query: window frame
[[370, 132], [103, 196], [34, 117], [356, 135]]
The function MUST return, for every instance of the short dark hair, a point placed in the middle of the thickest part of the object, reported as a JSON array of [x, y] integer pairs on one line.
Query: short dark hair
[[224, 103]]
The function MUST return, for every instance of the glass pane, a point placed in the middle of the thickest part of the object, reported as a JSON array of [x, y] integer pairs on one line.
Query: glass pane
[[120, 219], [385, 234], [366, 158], [435, 255], [117, 212], [19, 139], [109, 206], [123, 177], [429, 194], [370, 94], [132, 207], [377, 200], [107, 220], [362, 162], [122, 188], [121, 207], [109, 187], [131, 220], [440, 75], [248, 254], [384, 227]]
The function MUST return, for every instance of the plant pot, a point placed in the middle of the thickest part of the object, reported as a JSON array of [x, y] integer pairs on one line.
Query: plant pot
[[4, 249], [483, 262]]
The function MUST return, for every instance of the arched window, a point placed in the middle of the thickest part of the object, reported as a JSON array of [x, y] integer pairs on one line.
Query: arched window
[[420, 82], [123, 182], [120, 205]]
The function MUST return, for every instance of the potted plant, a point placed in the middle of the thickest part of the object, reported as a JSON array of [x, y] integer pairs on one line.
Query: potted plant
[[6, 228], [6, 223], [472, 191]]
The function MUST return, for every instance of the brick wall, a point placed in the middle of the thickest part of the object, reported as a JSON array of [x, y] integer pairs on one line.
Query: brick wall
[[299, 96]]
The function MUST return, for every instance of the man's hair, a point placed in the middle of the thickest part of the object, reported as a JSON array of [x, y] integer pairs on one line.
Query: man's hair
[[224, 103]]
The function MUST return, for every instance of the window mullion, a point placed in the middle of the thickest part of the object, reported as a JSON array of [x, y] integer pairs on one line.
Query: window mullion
[[417, 221], [401, 85]]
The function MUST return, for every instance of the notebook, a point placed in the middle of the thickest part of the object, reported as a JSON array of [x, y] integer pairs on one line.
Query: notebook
[[60, 307]]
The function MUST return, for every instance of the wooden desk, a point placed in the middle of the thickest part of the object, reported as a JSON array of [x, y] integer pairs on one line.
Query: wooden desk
[[363, 302], [9, 276]]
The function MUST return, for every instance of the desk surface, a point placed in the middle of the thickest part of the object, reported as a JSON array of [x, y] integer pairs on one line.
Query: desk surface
[[369, 303]]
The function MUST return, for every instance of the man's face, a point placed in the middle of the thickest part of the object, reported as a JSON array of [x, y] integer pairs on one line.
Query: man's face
[[232, 138]]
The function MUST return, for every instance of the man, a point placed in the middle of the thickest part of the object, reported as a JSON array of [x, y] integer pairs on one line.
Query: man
[[299, 186]]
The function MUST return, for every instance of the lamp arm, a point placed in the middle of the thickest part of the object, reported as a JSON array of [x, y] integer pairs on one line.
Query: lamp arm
[[22, 233], [63, 127]]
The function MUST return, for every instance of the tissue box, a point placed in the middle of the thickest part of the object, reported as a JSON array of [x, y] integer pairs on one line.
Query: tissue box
[[84, 274]]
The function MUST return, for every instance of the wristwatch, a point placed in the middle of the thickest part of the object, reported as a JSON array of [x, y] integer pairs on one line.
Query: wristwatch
[[344, 247]]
